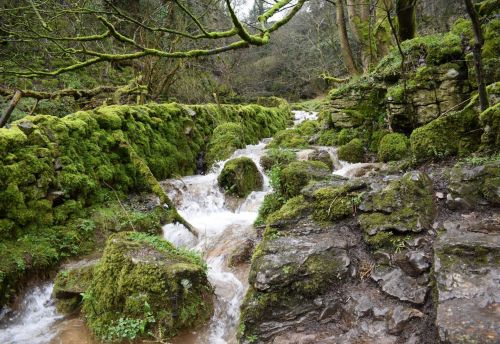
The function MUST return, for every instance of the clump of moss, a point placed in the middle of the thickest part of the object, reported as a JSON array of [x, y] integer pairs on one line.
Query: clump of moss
[[308, 128], [277, 157], [453, 134], [328, 137], [272, 202], [144, 286], [393, 147], [293, 208], [333, 203], [289, 138], [240, 177], [69, 286], [352, 151], [225, 139], [298, 173]]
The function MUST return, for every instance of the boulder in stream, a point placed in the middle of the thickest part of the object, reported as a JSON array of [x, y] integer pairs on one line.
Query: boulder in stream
[[143, 285], [240, 177]]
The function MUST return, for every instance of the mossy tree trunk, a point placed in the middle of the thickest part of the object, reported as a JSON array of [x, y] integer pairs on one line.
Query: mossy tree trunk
[[476, 51], [359, 16], [12, 105], [344, 40], [407, 20]]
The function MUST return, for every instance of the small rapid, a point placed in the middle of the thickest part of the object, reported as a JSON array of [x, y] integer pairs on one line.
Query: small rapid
[[223, 224], [32, 322]]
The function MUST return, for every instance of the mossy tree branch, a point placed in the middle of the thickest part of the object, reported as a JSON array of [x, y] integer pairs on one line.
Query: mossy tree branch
[[87, 50]]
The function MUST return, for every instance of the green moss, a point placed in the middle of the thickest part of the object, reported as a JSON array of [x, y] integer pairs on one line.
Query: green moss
[[334, 203], [69, 285], [145, 279], [446, 136], [293, 208], [328, 137], [240, 177], [490, 121], [392, 147], [298, 173], [226, 138], [289, 138], [272, 202], [352, 151], [308, 128], [277, 157]]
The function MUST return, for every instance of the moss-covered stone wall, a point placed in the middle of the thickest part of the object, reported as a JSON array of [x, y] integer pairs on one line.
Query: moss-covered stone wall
[[52, 170]]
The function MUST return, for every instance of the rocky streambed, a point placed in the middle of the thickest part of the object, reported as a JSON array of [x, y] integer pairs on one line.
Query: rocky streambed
[[342, 253]]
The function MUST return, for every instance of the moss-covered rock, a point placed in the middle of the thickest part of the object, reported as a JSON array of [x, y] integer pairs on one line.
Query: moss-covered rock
[[240, 177], [71, 283], [475, 185], [144, 285], [323, 156], [288, 138], [404, 205], [277, 157], [453, 134], [335, 202], [225, 139], [392, 147], [298, 173], [291, 210], [353, 151]]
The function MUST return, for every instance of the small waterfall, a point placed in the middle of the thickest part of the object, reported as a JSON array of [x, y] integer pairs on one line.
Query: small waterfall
[[34, 320], [222, 227]]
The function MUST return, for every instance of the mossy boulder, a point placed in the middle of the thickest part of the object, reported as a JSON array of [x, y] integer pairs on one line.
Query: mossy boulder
[[240, 177], [323, 156], [70, 283], [353, 151], [277, 157], [298, 173], [291, 210], [453, 134], [144, 285], [405, 205], [392, 147], [474, 186]]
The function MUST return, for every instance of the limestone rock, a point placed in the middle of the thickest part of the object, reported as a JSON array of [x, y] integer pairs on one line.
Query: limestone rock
[[146, 279], [467, 276]]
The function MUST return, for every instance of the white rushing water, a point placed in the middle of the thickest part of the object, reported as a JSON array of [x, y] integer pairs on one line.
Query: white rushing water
[[223, 224], [32, 322]]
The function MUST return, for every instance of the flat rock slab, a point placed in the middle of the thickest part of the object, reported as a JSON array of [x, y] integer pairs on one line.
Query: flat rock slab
[[468, 278], [395, 282]]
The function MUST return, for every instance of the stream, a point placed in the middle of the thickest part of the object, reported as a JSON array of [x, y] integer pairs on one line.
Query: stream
[[223, 223]]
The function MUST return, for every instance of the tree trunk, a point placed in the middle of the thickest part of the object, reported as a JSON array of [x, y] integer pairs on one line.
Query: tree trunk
[[476, 52], [12, 105], [405, 10], [345, 47], [358, 13]]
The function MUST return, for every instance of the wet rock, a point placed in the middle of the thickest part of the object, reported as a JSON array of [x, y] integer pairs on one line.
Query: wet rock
[[399, 318], [323, 156], [241, 253], [26, 127], [467, 277], [472, 186], [396, 283], [70, 283], [297, 174], [240, 177], [419, 261], [405, 204], [314, 261]]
